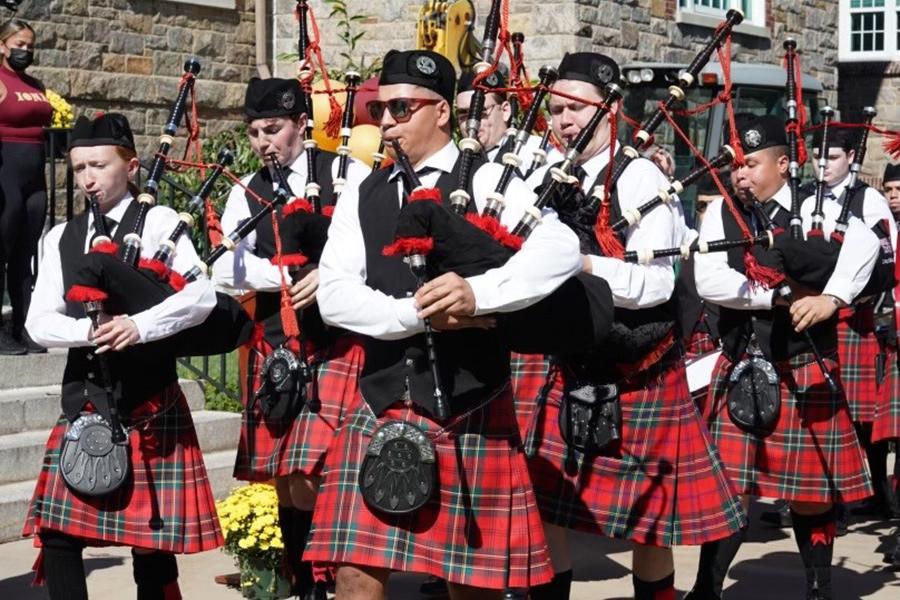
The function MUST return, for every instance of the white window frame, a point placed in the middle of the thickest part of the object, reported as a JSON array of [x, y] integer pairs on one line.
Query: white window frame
[[227, 4], [694, 13], [890, 52]]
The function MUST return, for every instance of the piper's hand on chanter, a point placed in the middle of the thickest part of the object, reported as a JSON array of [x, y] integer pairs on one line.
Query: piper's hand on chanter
[[449, 294], [116, 334], [303, 293], [811, 310]]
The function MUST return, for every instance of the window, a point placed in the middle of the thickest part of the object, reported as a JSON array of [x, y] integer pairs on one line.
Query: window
[[868, 30], [696, 11]]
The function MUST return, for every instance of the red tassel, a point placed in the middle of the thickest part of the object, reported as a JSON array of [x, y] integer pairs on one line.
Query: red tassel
[[289, 318], [333, 124], [85, 293], [410, 245], [891, 144], [38, 568], [176, 281], [759, 275], [106, 248], [432, 194], [213, 225], [290, 260], [496, 230], [157, 267], [609, 242], [823, 534], [297, 205], [328, 211]]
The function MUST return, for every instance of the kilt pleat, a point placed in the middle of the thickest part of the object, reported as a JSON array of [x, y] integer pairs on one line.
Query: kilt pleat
[[267, 450], [663, 485], [481, 529], [858, 348], [166, 505], [813, 454], [699, 344]]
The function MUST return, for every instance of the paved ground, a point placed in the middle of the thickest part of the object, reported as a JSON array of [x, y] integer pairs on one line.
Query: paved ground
[[768, 567]]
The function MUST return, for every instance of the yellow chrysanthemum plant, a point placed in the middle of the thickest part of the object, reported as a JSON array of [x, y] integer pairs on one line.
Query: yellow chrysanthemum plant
[[249, 521], [63, 115]]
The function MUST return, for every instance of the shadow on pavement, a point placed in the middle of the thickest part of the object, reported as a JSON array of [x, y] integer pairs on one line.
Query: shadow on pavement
[[20, 588]]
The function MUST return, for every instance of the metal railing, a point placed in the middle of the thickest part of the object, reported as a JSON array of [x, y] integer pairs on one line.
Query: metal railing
[[213, 370]]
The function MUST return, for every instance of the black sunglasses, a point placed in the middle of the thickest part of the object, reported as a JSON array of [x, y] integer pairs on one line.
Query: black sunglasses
[[401, 109]]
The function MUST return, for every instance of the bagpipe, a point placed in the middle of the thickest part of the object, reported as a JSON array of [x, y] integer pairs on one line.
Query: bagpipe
[[574, 318], [351, 80], [469, 145], [645, 133], [147, 198]]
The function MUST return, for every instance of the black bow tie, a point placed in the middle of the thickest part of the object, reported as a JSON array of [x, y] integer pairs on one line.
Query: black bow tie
[[110, 225]]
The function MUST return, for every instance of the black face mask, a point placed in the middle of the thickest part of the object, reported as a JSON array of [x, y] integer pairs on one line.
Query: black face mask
[[20, 59]]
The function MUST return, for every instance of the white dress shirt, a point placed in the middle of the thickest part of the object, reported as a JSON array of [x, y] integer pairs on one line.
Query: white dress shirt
[[637, 286], [719, 283], [875, 207], [527, 155], [546, 260], [47, 322], [242, 270]]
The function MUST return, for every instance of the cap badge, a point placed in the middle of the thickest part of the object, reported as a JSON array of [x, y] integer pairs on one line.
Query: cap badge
[[752, 138], [426, 65], [604, 73], [288, 100]]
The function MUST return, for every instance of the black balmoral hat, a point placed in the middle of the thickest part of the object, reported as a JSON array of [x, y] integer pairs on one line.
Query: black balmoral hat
[[109, 129]]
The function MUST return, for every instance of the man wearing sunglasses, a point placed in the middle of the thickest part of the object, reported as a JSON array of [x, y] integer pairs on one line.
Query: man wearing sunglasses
[[479, 529], [495, 134], [289, 450]]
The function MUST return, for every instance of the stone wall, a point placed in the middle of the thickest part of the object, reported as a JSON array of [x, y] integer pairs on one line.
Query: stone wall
[[628, 30], [128, 56]]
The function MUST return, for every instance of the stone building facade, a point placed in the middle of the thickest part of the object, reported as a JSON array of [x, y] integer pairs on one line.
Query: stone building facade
[[127, 54]]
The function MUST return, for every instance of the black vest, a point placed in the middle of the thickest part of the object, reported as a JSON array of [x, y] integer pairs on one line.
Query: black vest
[[268, 304], [882, 279], [634, 329], [136, 376], [472, 362], [774, 331]]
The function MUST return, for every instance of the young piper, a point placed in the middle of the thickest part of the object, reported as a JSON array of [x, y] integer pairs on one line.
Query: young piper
[[494, 134], [867, 340], [166, 507], [660, 483], [278, 444], [807, 452], [478, 527]]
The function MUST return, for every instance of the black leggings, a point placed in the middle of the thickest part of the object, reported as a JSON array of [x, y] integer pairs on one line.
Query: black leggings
[[23, 208]]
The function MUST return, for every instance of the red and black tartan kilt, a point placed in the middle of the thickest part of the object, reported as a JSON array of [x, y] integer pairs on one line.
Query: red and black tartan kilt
[[528, 374], [167, 504], [700, 343], [268, 450], [481, 529], [813, 455], [858, 348], [663, 485]]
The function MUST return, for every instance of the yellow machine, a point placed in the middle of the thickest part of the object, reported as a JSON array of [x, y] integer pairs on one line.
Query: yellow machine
[[447, 28]]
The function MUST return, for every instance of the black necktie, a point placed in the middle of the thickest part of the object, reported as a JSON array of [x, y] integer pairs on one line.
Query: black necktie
[[110, 224]]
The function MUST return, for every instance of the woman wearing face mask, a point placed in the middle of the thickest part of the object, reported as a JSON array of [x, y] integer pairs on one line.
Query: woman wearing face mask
[[24, 112]]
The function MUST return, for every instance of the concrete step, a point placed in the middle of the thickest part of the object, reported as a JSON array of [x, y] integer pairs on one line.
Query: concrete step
[[38, 408], [32, 370], [16, 497], [21, 453]]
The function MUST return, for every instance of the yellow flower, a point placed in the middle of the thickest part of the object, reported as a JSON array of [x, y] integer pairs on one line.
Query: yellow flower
[[62, 110]]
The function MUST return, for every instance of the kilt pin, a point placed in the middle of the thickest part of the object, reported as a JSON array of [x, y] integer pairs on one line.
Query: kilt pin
[[167, 503], [812, 455], [858, 349], [662, 485], [274, 449], [481, 528]]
